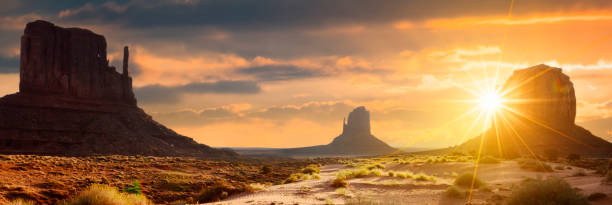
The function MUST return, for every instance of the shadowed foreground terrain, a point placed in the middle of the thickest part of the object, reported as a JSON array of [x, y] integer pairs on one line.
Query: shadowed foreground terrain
[[48, 180]]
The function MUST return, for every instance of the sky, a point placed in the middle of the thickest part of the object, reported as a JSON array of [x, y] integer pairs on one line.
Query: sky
[[284, 73]]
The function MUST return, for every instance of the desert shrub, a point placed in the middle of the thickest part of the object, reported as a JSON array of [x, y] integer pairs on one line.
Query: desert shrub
[[534, 165], [221, 190], [404, 175], [455, 192], [99, 194], [489, 160], [266, 169], [376, 172], [316, 176], [559, 167], [375, 166], [257, 186], [424, 177], [341, 191], [465, 180], [573, 157], [596, 196], [339, 182], [311, 169], [391, 173], [134, 188], [295, 177], [20, 202], [552, 190]]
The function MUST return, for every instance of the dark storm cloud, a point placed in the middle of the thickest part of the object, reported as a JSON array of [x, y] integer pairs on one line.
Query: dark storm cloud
[[9, 65], [159, 94], [282, 13], [276, 73]]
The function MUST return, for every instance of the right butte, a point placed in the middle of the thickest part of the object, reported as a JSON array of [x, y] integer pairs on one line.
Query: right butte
[[71, 102], [540, 117]]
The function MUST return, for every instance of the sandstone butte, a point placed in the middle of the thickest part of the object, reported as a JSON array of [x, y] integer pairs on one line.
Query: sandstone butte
[[356, 139], [72, 103], [543, 123]]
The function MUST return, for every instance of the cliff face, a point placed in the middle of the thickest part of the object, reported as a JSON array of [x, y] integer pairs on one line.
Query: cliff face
[[548, 93], [71, 102], [542, 118], [70, 62], [356, 139]]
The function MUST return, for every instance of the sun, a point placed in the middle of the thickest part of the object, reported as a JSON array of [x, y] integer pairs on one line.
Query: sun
[[490, 101]]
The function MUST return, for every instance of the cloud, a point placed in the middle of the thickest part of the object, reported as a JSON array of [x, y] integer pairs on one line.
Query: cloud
[[159, 94], [9, 64], [279, 72], [279, 13]]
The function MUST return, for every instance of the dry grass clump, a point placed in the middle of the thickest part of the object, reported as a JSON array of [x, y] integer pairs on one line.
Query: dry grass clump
[[424, 177], [534, 165], [341, 191], [257, 186], [375, 166], [20, 202], [221, 190], [311, 169], [358, 173], [339, 182], [99, 194], [552, 190]]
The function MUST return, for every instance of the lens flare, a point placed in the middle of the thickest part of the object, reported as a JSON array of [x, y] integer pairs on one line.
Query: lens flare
[[490, 101]]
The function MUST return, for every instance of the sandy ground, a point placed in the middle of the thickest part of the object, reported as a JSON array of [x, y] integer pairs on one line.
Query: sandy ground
[[392, 190]]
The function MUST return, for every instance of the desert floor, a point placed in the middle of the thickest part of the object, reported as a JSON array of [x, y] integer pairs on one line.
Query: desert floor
[[384, 189]]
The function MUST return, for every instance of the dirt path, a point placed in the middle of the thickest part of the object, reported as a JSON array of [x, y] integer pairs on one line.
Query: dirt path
[[394, 190]]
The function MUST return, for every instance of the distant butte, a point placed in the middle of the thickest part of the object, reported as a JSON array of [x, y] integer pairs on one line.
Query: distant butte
[[356, 140], [71, 102]]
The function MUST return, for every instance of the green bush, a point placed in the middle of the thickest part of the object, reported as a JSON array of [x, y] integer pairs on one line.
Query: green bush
[[99, 194], [134, 188], [549, 191], [465, 180]]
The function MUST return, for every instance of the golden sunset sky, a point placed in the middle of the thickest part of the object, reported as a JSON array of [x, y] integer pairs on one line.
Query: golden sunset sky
[[276, 73]]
